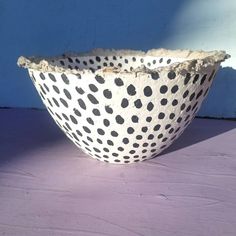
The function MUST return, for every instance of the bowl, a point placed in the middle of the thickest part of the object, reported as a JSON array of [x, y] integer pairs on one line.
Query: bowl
[[124, 106]]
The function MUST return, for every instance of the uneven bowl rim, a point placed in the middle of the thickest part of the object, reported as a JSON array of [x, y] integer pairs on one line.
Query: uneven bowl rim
[[195, 60]]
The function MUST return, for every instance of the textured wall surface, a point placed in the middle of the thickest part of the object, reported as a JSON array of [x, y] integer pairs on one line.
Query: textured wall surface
[[41, 27]]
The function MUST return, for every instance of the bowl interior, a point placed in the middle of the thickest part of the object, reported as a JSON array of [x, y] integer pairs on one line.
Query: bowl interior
[[123, 62]]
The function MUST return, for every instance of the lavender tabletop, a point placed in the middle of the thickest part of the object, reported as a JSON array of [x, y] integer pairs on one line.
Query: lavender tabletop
[[49, 187]]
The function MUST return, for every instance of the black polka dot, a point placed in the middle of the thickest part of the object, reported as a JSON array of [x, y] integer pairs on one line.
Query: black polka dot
[[195, 79], [160, 136], [126, 61], [182, 107], [119, 82], [68, 126], [132, 151], [150, 106], [63, 102], [149, 119], [131, 90], [172, 116], [150, 136], [147, 91], [82, 104], [99, 140], [62, 62], [52, 77], [73, 119], [100, 131], [163, 89], [107, 93], [144, 129], [168, 61], [191, 96], [138, 103], [125, 140], [167, 126], [115, 154], [79, 133], [164, 139], [171, 130], [161, 115], [79, 90], [116, 160], [96, 112], [119, 119], [188, 108], [66, 92], [174, 89], [164, 101], [187, 78], [194, 106], [179, 119], [65, 79], [98, 59], [185, 94], [199, 94], [96, 150], [106, 122], [130, 130], [110, 143], [153, 144], [41, 75], [211, 76], [92, 99], [126, 157], [121, 149], [106, 149], [135, 145], [56, 89], [85, 63], [42, 89], [86, 129], [65, 116], [124, 103], [135, 119], [56, 102], [203, 79], [145, 144], [156, 127], [46, 87], [114, 133], [91, 61], [108, 109], [90, 121], [171, 75], [155, 75], [187, 117], [100, 79], [174, 102], [93, 88], [139, 137]]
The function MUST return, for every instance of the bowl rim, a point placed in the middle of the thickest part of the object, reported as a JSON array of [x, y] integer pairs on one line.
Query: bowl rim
[[195, 60]]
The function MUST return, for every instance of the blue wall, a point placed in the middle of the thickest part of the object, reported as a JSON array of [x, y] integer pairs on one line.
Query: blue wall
[[48, 27]]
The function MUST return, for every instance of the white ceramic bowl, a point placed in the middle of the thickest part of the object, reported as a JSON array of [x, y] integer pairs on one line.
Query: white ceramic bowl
[[124, 106]]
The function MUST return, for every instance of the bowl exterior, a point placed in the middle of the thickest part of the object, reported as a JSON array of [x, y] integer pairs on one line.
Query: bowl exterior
[[123, 117]]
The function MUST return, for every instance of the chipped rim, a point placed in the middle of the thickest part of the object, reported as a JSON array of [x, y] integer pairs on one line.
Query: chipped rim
[[195, 60]]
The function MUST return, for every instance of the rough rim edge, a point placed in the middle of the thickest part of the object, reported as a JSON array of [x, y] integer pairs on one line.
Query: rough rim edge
[[195, 60]]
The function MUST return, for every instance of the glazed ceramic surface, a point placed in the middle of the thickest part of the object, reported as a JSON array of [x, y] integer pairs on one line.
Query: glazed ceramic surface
[[124, 106]]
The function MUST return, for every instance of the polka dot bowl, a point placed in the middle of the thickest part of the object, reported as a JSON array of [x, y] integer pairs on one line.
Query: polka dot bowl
[[124, 106]]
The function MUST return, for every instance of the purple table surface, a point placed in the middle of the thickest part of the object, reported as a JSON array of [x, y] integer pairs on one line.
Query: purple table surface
[[49, 187]]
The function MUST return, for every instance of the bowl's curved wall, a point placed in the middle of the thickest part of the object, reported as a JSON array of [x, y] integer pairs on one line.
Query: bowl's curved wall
[[123, 117]]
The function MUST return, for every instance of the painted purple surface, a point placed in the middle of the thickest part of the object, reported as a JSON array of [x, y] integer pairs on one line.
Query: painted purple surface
[[49, 187]]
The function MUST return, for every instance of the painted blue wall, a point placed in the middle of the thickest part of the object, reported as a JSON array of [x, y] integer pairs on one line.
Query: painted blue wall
[[49, 27]]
